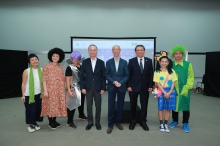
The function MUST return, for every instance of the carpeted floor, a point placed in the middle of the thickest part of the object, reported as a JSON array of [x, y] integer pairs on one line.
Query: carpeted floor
[[204, 123]]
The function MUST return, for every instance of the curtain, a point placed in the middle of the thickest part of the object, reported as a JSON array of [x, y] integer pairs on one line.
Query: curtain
[[12, 65], [211, 78]]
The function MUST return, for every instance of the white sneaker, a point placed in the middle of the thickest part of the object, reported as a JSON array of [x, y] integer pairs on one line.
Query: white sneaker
[[166, 129], [37, 127], [30, 128], [161, 128]]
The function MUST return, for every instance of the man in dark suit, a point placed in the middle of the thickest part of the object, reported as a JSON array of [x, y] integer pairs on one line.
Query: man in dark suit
[[93, 84], [140, 83], [117, 75]]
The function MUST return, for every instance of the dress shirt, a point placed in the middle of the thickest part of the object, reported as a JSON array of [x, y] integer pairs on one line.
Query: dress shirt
[[93, 63], [116, 64]]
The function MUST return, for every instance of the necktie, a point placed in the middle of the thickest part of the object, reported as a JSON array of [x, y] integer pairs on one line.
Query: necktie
[[141, 66]]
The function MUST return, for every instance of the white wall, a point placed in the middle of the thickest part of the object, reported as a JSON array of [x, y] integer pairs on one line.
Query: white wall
[[40, 25]]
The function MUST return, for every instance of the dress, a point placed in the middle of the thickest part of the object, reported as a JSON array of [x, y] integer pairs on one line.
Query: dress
[[55, 104], [163, 103]]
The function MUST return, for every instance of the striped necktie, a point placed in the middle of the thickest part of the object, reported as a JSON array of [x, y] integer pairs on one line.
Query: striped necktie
[[141, 66]]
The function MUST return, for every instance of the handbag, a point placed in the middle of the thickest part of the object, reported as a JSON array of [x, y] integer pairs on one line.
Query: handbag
[[159, 92]]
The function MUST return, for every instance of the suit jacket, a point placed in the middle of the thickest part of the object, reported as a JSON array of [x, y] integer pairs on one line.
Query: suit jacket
[[138, 80], [87, 76], [121, 76]]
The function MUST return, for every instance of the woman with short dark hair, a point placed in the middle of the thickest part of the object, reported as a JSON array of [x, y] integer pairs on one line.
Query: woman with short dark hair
[[31, 93]]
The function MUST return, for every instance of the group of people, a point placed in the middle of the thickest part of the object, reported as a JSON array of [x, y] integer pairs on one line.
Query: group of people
[[51, 92]]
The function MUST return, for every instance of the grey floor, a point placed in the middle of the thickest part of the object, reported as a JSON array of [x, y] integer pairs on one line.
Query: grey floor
[[204, 123]]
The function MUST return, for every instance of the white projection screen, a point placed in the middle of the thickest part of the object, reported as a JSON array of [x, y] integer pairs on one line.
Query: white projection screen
[[105, 45]]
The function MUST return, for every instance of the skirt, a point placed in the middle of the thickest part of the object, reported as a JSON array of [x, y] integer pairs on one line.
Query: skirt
[[167, 104]]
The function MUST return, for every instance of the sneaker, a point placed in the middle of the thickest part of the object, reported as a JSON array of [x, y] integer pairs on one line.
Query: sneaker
[[71, 125], [173, 124], [186, 127], [30, 128], [161, 128], [82, 117], [57, 124], [52, 125], [166, 129], [37, 127]]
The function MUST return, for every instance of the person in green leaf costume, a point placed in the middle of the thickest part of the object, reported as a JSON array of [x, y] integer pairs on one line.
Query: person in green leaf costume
[[185, 75]]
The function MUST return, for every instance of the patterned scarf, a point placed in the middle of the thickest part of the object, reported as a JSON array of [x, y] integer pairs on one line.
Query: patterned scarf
[[31, 84]]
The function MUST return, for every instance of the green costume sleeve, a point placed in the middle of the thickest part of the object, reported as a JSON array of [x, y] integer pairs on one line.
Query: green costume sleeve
[[190, 81]]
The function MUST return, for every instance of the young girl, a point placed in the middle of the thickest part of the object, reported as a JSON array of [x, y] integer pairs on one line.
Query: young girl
[[165, 78], [31, 93]]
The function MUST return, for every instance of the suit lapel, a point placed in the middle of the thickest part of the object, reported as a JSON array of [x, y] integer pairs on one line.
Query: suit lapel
[[119, 65], [90, 64], [145, 64], [96, 65], [113, 63], [138, 65]]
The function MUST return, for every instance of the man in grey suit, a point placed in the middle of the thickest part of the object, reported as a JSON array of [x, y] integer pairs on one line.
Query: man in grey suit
[[117, 75], [92, 83]]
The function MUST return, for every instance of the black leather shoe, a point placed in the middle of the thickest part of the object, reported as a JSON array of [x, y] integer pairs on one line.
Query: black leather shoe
[[144, 126], [132, 126], [88, 127], [98, 126]]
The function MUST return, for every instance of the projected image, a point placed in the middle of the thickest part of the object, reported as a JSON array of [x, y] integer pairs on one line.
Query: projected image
[[105, 47]]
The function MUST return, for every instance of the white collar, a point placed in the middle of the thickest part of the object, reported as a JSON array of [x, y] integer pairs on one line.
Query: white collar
[[117, 60], [93, 59], [140, 58]]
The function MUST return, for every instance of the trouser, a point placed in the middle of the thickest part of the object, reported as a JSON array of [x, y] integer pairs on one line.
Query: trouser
[[186, 114], [111, 106], [98, 101], [144, 96], [33, 110]]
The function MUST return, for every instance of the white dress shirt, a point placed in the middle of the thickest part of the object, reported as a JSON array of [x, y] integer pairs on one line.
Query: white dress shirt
[[116, 64], [93, 63], [139, 59]]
